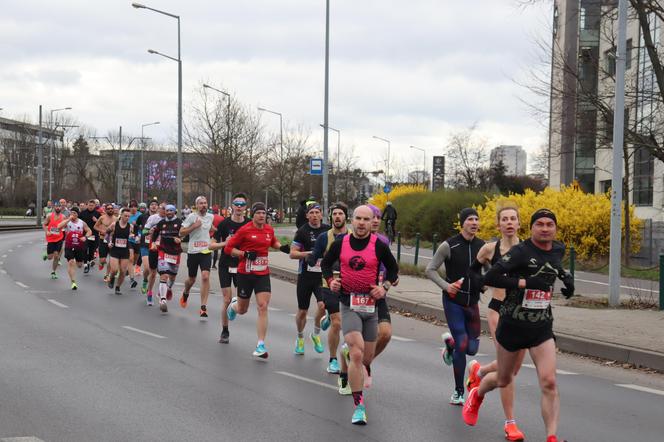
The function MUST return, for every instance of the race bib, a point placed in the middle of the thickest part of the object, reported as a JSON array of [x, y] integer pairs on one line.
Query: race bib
[[200, 244], [74, 239], [316, 268], [171, 259], [54, 230], [536, 299], [258, 265], [120, 242], [232, 270], [362, 303]]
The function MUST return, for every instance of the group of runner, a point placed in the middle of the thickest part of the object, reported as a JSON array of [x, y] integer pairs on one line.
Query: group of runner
[[348, 271]]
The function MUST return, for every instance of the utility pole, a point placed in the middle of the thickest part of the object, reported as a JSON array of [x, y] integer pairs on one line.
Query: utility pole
[[40, 170], [326, 110], [118, 195]]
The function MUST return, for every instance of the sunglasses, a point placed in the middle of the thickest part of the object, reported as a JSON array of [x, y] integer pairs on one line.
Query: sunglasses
[[239, 203]]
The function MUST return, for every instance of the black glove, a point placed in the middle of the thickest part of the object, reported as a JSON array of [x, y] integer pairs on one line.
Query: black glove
[[568, 281], [476, 277], [285, 248], [538, 283], [250, 255]]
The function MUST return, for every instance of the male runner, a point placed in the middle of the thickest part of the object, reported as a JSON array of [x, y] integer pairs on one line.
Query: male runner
[[308, 278], [227, 264], [153, 254], [119, 243], [48, 209], [166, 237], [76, 234], [460, 296], [54, 237], [218, 218], [527, 272], [102, 226], [507, 218], [134, 242], [198, 226], [144, 242], [360, 255], [251, 244], [89, 215], [332, 318]]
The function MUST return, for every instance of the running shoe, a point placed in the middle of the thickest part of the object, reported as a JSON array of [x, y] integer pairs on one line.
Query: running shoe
[[554, 438], [86, 269], [183, 300], [163, 306], [133, 284], [318, 345], [117, 291], [448, 352], [106, 278], [457, 398], [137, 270], [149, 299], [144, 287], [260, 351], [367, 378], [203, 312], [473, 379], [299, 346], [344, 391], [101, 266], [333, 367], [74, 286], [359, 415], [512, 432], [111, 281], [345, 352], [45, 256], [325, 321], [224, 337], [471, 408], [169, 294], [92, 264], [230, 312], [54, 275]]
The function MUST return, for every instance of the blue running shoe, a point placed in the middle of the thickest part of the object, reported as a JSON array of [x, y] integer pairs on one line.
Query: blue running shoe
[[333, 367], [325, 321], [299, 346], [230, 312], [318, 345], [260, 351], [448, 352], [359, 415]]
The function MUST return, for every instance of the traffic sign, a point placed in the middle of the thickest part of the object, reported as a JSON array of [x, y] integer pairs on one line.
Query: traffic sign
[[387, 188], [316, 167]]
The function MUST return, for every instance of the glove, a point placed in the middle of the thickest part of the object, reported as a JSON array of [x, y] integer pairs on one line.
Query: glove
[[285, 248], [475, 275], [568, 281], [537, 283], [250, 255]]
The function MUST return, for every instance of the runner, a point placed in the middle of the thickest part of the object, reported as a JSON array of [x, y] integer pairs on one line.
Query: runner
[[460, 297], [507, 218], [166, 238], [527, 272], [360, 255], [251, 244], [215, 222], [153, 254], [102, 226], [308, 278], [89, 215], [54, 237], [134, 242], [121, 233], [76, 232], [144, 243], [227, 264], [198, 226], [332, 318]]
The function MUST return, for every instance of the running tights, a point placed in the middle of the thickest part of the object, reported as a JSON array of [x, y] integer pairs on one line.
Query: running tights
[[464, 324]]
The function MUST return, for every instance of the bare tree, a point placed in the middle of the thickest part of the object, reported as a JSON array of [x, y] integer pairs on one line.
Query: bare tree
[[467, 159]]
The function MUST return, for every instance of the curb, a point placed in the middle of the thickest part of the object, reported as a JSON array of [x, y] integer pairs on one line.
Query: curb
[[565, 342]]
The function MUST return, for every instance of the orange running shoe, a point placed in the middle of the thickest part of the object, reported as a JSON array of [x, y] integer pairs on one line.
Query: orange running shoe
[[183, 300], [554, 439], [471, 408], [512, 432], [473, 379]]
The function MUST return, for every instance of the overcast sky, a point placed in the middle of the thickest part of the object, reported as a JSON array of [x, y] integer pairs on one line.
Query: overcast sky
[[409, 71]]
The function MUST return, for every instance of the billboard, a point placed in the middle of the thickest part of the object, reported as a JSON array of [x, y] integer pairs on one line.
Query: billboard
[[438, 178]]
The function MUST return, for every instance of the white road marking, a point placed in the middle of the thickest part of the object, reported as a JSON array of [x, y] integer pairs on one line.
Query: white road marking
[[20, 284], [21, 439], [563, 372], [10, 250], [309, 318], [311, 381], [622, 286], [2, 263], [400, 339], [59, 304], [147, 333], [3, 271], [19, 246], [640, 388], [4, 256], [274, 309]]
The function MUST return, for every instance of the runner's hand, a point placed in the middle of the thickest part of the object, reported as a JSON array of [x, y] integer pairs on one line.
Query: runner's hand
[[377, 291], [537, 283], [250, 255], [568, 280], [335, 285], [197, 224], [285, 248]]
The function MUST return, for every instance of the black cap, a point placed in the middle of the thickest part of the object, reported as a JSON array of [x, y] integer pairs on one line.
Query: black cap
[[543, 213], [465, 213], [341, 206]]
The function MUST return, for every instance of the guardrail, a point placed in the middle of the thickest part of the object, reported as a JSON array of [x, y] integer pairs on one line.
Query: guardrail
[[18, 228]]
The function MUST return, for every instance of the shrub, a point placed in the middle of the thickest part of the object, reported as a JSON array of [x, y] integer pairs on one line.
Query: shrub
[[380, 199]]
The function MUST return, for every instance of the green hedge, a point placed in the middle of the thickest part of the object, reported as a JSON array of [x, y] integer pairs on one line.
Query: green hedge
[[433, 212], [13, 211]]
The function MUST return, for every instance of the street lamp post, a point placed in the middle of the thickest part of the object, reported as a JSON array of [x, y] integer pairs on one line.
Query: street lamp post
[[143, 126], [228, 119], [387, 165], [424, 160], [281, 144], [326, 112], [50, 154], [179, 61]]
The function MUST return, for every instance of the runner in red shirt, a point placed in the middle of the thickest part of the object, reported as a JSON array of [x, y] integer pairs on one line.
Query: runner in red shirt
[[54, 238], [76, 247], [251, 244]]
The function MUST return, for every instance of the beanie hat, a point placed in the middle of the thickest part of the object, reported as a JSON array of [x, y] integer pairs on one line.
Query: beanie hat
[[467, 212]]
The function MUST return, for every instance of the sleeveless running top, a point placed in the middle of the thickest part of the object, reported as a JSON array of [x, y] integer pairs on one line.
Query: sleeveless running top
[[74, 235], [359, 268], [496, 293], [121, 236], [53, 233]]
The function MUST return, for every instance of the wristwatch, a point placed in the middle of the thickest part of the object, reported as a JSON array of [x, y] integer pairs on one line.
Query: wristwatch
[[386, 286]]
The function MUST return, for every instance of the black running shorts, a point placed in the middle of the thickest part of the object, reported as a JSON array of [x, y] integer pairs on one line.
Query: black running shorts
[[226, 277], [53, 247], [196, 260], [248, 284], [77, 254], [514, 337], [331, 300], [307, 286]]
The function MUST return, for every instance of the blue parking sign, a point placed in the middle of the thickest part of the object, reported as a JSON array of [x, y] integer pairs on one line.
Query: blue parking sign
[[316, 166]]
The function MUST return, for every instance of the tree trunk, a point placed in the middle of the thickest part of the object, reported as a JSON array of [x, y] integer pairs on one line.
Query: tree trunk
[[627, 242]]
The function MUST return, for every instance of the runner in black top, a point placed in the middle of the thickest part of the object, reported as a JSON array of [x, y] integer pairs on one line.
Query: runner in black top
[[527, 272], [90, 217], [119, 245]]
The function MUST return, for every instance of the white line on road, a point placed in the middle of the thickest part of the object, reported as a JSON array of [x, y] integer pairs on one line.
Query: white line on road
[[4, 256], [563, 372], [59, 304], [274, 309], [3, 271], [147, 333], [21, 439], [309, 318], [640, 388], [311, 381], [622, 286], [10, 250], [19, 246], [400, 339], [20, 284]]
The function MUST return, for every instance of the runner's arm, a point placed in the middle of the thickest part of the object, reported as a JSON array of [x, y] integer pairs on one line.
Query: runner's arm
[[386, 257], [87, 230], [330, 258], [437, 262], [98, 226], [318, 250], [63, 223], [497, 274], [296, 251]]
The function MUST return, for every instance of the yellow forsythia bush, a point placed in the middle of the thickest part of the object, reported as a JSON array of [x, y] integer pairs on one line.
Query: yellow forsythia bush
[[380, 199], [583, 218]]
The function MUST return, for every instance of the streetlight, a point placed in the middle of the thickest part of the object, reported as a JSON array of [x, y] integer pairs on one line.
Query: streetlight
[[338, 142], [143, 126], [387, 166], [50, 155], [424, 160], [228, 122], [326, 107], [179, 61], [281, 144]]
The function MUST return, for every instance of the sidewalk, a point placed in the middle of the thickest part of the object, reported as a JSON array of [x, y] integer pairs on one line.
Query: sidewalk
[[632, 336]]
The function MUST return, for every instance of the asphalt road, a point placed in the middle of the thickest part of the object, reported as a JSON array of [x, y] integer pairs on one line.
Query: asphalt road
[[90, 365]]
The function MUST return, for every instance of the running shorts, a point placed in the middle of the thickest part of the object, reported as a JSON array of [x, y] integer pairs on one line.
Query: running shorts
[[167, 264], [226, 277], [383, 311], [248, 284], [153, 259], [145, 251], [53, 247], [307, 286], [103, 248], [513, 337], [77, 254], [495, 304], [331, 300], [119, 253], [365, 323], [196, 260]]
